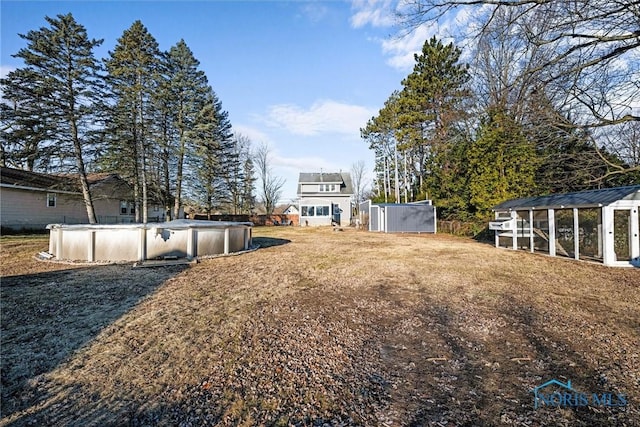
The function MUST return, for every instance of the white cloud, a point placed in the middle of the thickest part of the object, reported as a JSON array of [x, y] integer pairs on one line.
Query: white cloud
[[298, 164], [401, 49], [325, 116], [377, 13], [314, 11], [6, 69], [256, 136]]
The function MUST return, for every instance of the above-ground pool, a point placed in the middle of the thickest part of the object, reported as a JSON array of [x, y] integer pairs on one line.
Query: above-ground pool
[[139, 242]]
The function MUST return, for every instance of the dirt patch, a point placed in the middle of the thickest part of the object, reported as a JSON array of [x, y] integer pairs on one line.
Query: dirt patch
[[318, 328]]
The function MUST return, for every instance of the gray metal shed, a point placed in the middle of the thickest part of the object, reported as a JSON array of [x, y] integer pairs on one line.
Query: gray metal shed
[[416, 217]]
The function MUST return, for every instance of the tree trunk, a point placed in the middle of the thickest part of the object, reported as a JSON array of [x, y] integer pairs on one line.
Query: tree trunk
[[178, 198], [176, 206], [84, 183]]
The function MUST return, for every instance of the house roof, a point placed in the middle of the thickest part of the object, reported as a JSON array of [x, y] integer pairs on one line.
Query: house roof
[[342, 178], [22, 178], [321, 177], [62, 182], [589, 198], [281, 209]]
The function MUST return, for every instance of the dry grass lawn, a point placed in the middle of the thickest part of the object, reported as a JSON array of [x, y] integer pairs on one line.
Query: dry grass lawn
[[317, 328]]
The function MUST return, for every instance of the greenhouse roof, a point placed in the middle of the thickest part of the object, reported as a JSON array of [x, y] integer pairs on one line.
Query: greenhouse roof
[[589, 198]]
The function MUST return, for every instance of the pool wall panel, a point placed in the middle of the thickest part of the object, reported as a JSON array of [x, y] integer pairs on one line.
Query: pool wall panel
[[137, 242]]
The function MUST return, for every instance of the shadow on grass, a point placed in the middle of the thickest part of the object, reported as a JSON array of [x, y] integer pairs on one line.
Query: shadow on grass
[[267, 242], [434, 363], [46, 317], [487, 376], [431, 362]]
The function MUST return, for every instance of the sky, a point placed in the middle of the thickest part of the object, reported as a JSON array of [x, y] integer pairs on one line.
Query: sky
[[300, 76]]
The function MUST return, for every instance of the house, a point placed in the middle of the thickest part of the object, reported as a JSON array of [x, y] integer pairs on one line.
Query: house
[[30, 200], [414, 217], [596, 225], [325, 198], [291, 210]]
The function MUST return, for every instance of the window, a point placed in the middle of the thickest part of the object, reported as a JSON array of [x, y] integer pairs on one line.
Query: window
[[327, 188], [322, 210], [127, 208], [51, 200]]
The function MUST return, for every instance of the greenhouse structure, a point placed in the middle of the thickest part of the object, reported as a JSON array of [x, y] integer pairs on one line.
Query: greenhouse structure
[[595, 225]]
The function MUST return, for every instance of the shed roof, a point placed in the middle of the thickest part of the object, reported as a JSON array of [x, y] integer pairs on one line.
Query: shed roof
[[589, 198], [418, 203]]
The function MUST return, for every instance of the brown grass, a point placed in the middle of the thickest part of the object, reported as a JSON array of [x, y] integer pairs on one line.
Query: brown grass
[[317, 326]]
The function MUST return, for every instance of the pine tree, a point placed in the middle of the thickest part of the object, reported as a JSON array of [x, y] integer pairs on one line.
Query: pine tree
[[54, 97], [431, 105], [380, 132], [133, 78], [417, 136], [213, 154], [188, 90], [27, 138]]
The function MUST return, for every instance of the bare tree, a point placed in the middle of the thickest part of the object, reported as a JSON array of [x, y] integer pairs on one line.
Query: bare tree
[[625, 145], [271, 186], [579, 55], [590, 47], [358, 179]]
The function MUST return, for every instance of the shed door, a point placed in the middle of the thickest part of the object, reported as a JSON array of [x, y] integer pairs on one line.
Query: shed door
[[622, 234]]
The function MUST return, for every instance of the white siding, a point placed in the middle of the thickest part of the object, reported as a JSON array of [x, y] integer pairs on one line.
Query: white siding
[[343, 202]]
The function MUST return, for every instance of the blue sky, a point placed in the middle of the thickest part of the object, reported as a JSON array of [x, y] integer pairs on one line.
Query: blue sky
[[301, 76]]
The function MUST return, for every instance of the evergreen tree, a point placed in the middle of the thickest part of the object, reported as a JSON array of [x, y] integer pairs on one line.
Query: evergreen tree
[[380, 133], [27, 137], [449, 184], [187, 90], [247, 195], [431, 104], [133, 78], [206, 161], [502, 164], [54, 99], [212, 155], [238, 184], [165, 137]]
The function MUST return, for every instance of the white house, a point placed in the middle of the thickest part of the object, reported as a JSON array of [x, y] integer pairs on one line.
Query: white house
[[325, 198], [291, 210]]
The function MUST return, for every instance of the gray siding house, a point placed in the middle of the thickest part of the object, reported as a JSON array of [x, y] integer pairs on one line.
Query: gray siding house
[[325, 198]]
